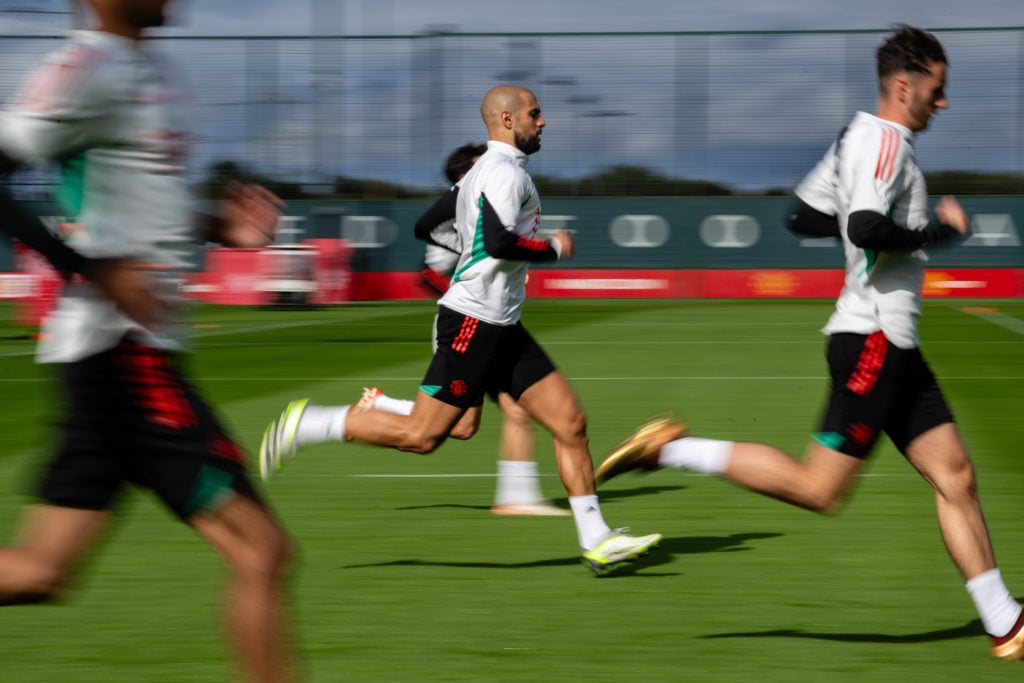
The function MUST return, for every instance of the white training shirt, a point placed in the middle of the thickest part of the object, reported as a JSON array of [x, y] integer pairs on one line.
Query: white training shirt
[[114, 117], [872, 168], [440, 259], [490, 289]]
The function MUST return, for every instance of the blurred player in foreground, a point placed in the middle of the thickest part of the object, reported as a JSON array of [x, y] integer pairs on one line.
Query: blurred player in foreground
[[869, 190], [518, 490], [109, 110], [481, 343]]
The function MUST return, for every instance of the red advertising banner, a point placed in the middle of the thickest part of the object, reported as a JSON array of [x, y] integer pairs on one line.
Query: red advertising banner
[[232, 276], [313, 272], [318, 272], [744, 284], [705, 284], [332, 271], [42, 286]]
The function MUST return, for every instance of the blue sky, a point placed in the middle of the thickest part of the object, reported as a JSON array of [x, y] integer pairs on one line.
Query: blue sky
[[413, 16], [298, 17], [771, 104]]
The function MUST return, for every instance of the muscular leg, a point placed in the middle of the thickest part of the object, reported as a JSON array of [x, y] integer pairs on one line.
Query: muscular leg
[[465, 428], [517, 442], [50, 543], [518, 489], [422, 431], [467, 425], [553, 403], [817, 483], [257, 551], [940, 457]]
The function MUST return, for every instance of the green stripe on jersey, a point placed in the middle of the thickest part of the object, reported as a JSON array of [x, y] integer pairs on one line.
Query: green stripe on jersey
[[70, 191], [479, 253], [871, 256], [430, 389]]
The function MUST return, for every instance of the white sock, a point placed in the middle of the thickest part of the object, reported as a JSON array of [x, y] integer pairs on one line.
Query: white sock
[[694, 453], [321, 423], [590, 525], [996, 607], [399, 406], [518, 483]]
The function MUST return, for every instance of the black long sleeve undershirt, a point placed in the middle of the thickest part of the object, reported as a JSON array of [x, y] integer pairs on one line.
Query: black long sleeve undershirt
[[18, 222], [441, 211], [872, 230], [866, 229], [806, 221], [505, 244]]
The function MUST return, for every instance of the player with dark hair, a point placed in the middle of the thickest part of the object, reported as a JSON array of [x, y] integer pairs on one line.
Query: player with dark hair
[[111, 112], [481, 343], [440, 259], [869, 191]]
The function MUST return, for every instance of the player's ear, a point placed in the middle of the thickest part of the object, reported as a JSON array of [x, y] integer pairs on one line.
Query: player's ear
[[507, 119], [901, 87]]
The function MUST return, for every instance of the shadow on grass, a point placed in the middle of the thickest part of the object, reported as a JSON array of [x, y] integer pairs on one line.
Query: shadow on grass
[[615, 494], [971, 629], [663, 555], [690, 545], [603, 495]]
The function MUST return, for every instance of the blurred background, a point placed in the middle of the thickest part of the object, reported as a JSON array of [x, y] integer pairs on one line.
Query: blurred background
[[359, 98], [675, 132]]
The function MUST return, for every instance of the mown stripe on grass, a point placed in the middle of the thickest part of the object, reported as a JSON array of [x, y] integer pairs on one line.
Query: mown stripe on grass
[[995, 317]]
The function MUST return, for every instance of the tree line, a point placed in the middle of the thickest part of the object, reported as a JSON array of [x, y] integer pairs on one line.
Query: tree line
[[617, 181]]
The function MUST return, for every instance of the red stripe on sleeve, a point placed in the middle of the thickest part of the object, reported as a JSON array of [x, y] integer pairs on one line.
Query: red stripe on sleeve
[[531, 243], [887, 155], [52, 83], [882, 152], [893, 153]]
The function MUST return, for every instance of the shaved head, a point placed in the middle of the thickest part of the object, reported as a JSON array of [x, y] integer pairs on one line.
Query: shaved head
[[512, 116], [501, 98]]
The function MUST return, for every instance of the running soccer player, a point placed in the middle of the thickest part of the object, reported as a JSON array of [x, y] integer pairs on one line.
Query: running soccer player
[[518, 490], [481, 343], [869, 190], [109, 109], [127, 282]]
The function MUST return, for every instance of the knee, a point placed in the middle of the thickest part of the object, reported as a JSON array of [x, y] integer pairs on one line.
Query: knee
[[574, 428], [515, 414], [462, 432], [578, 424], [268, 559], [825, 503], [422, 443], [958, 482], [31, 580], [281, 554]]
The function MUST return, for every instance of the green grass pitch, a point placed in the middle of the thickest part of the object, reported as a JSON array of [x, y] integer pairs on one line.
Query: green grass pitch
[[404, 576]]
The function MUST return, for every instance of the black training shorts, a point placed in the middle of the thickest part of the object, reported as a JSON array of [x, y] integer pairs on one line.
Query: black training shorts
[[473, 357], [878, 387], [130, 417]]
